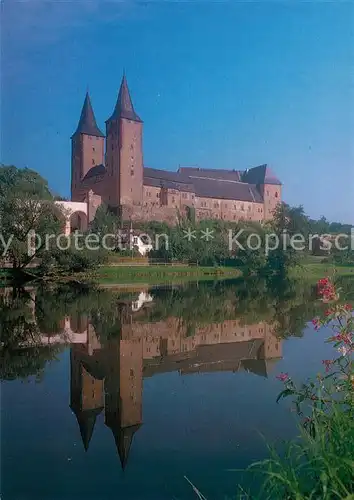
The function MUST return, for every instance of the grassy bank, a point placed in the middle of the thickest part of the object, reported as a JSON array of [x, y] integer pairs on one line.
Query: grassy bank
[[166, 274], [315, 271], [163, 274], [160, 274]]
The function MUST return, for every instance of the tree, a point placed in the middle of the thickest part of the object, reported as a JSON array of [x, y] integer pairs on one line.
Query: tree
[[293, 220], [105, 222], [26, 205], [288, 221]]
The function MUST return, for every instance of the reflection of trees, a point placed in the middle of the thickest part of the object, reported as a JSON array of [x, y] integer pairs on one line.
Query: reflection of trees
[[16, 319], [287, 305], [23, 363], [18, 327], [54, 304]]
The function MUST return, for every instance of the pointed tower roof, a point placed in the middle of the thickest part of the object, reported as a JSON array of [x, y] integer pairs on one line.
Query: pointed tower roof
[[124, 107], [87, 123], [86, 420], [124, 439]]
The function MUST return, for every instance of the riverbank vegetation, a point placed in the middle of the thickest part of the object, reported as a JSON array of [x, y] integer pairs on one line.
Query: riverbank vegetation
[[320, 463]]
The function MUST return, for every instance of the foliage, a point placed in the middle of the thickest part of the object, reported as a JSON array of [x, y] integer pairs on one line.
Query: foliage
[[323, 226], [337, 386], [105, 222], [287, 222], [26, 205], [343, 257], [21, 352], [320, 464], [73, 260]]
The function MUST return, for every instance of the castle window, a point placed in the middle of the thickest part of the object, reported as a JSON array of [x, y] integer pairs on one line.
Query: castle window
[[276, 194], [93, 149], [157, 195], [93, 161], [112, 146], [243, 207], [173, 199]]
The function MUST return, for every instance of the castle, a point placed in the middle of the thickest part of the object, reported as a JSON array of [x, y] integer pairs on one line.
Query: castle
[[109, 169]]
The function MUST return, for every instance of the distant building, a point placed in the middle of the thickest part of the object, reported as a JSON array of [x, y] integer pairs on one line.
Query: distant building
[[108, 168]]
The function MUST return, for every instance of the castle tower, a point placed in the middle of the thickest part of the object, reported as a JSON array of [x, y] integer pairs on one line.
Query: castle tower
[[87, 149], [123, 393], [271, 190], [86, 395], [124, 152], [268, 185]]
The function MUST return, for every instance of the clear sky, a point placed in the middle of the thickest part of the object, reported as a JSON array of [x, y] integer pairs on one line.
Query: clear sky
[[218, 85]]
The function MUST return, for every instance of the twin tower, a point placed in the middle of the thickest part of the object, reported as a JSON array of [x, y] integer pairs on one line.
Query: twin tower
[[109, 166]]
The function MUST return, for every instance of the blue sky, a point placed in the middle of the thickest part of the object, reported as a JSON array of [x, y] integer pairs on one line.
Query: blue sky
[[219, 85]]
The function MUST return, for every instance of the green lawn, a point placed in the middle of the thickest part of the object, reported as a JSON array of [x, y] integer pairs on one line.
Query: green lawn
[[163, 274], [314, 272], [155, 275]]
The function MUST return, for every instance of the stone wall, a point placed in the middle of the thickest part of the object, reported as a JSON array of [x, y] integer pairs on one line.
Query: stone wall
[[149, 213], [93, 202]]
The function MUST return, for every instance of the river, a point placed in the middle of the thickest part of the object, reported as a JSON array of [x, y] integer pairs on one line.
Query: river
[[123, 393]]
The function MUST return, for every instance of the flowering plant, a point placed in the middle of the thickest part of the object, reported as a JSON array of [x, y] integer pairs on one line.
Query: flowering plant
[[336, 385]]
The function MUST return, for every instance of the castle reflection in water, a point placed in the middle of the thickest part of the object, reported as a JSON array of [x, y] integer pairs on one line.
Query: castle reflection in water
[[107, 377]]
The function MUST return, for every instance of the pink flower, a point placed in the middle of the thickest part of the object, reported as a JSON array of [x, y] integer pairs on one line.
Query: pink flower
[[316, 323], [327, 363], [283, 377], [348, 307], [326, 290], [344, 350]]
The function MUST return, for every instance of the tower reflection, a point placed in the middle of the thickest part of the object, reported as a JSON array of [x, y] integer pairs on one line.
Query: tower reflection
[[107, 376]]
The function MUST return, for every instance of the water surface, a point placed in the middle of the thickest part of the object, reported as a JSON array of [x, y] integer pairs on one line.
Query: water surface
[[117, 394]]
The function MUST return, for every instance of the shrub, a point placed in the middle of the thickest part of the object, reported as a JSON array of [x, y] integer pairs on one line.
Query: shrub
[[320, 464]]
